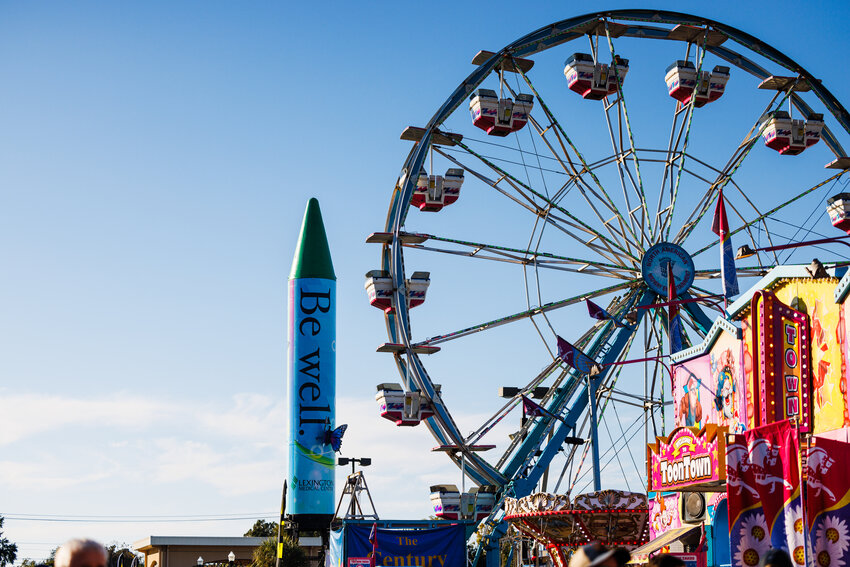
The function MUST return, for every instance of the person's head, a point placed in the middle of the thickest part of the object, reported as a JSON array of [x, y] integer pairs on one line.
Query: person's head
[[593, 555], [665, 560], [776, 557], [81, 553]]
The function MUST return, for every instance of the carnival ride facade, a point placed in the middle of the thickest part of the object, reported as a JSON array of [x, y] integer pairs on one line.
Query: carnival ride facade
[[543, 211]]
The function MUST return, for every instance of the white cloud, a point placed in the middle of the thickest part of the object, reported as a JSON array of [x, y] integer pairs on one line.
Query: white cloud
[[26, 415], [45, 475]]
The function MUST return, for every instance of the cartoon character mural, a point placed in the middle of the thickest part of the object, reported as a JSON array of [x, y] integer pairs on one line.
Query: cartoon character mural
[[663, 514], [708, 388], [690, 406], [725, 374]]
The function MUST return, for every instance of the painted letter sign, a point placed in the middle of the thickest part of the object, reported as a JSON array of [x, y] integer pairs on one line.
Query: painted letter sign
[[781, 363], [690, 458]]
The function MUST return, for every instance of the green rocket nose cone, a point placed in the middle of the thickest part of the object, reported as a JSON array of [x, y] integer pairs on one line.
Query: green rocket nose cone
[[312, 256]]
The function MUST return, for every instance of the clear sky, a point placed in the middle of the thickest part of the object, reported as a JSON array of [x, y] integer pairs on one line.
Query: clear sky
[[155, 162]]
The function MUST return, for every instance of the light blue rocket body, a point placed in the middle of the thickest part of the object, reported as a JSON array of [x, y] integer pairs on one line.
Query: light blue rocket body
[[311, 365]]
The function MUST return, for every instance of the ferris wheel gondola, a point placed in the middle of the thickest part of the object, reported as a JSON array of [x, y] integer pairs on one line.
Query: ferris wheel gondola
[[612, 214]]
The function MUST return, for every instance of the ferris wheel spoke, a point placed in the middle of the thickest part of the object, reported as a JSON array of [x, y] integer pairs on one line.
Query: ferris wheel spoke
[[646, 224], [562, 137], [732, 165], [511, 404], [523, 314], [525, 257], [583, 186], [525, 202], [774, 210], [574, 221], [607, 347], [668, 220], [671, 155]]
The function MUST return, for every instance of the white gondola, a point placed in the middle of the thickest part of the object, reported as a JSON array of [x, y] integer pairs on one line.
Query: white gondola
[[403, 408], [379, 288], [445, 498], [485, 500], [838, 208], [451, 504], [499, 116], [594, 81], [417, 287], [433, 192], [683, 83], [790, 136]]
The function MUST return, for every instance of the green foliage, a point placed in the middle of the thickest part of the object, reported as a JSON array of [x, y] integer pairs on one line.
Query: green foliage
[[266, 554], [121, 554], [49, 562], [262, 529], [8, 550]]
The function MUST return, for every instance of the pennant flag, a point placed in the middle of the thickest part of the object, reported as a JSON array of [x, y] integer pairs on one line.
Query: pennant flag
[[576, 358], [373, 539], [600, 314], [531, 409], [720, 227], [763, 494], [675, 321], [828, 502]]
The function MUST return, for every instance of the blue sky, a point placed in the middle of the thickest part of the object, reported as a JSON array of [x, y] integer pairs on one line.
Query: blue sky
[[155, 162]]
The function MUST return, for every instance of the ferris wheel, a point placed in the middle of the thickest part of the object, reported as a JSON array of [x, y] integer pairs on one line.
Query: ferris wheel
[[558, 202]]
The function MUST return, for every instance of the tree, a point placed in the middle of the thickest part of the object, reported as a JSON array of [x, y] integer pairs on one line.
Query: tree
[[49, 562], [266, 554], [8, 550], [121, 554], [262, 529]]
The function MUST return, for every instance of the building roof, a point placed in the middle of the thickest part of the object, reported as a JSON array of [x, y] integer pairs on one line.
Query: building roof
[[199, 541]]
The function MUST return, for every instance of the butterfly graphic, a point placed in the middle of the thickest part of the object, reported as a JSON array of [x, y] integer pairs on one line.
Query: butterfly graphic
[[334, 437]]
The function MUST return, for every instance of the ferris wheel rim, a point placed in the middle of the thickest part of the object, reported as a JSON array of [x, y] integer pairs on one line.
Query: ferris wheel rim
[[393, 259]]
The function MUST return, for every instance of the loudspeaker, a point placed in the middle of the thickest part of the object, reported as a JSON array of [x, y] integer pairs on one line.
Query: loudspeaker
[[693, 507]]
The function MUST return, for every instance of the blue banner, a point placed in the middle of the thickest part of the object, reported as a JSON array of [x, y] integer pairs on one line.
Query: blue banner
[[312, 394], [438, 547]]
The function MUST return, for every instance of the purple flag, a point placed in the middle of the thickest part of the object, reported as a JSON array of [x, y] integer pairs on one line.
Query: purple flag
[[600, 314], [531, 409], [576, 358]]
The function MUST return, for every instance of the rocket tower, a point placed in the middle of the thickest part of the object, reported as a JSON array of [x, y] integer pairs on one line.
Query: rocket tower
[[311, 365]]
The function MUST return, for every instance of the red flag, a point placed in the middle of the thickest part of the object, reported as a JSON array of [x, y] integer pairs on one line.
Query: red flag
[[373, 539], [675, 322], [763, 491], [828, 501], [719, 225]]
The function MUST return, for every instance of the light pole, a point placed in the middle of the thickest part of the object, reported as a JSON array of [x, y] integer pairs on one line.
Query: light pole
[[200, 561], [364, 462], [231, 558], [745, 251]]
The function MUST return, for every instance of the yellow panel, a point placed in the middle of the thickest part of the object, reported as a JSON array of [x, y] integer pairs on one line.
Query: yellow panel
[[815, 297]]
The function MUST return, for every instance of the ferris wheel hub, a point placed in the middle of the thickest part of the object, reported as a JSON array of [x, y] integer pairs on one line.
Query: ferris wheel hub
[[654, 264]]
